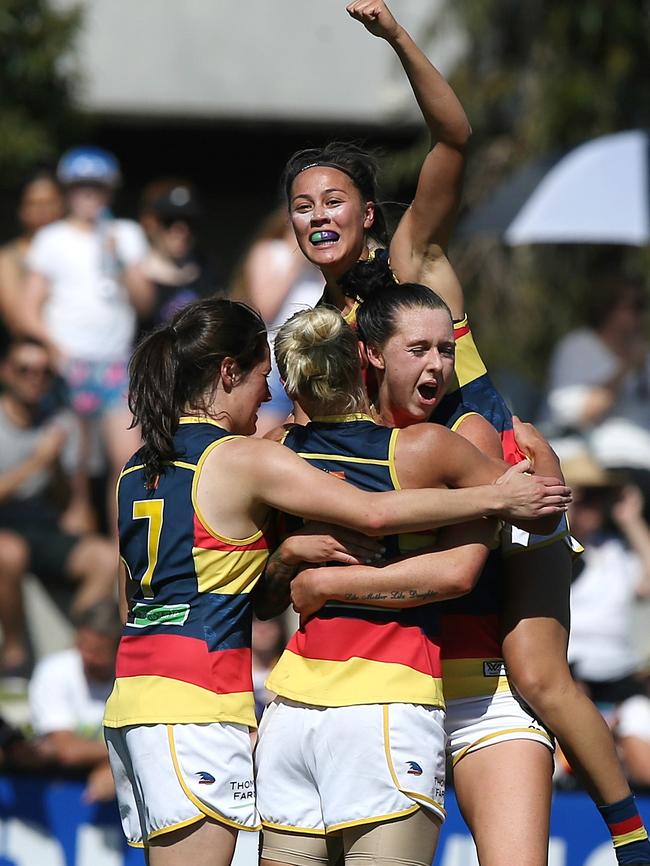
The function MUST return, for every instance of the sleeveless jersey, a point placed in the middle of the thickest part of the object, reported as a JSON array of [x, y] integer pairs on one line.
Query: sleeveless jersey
[[348, 654], [470, 636], [185, 653]]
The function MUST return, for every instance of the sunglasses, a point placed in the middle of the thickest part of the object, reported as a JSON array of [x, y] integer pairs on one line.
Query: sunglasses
[[32, 370]]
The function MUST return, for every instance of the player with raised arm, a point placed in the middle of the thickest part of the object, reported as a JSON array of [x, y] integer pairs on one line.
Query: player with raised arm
[[194, 507]]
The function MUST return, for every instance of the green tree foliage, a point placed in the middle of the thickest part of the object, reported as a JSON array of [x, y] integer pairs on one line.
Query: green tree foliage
[[539, 77], [36, 84]]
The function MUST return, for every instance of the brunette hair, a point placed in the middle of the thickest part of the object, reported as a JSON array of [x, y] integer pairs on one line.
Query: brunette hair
[[175, 369], [359, 165], [318, 359], [376, 316]]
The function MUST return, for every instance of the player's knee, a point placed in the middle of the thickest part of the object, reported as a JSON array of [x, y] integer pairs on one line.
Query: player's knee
[[93, 559], [14, 556], [541, 686]]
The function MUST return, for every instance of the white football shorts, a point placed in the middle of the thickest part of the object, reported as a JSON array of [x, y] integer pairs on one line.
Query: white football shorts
[[171, 776], [474, 723], [322, 769]]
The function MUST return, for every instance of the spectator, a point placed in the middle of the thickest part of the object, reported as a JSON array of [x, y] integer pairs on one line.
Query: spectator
[[67, 696], [177, 270], [84, 285], [612, 574], [276, 279], [33, 533], [269, 641], [599, 379], [40, 204]]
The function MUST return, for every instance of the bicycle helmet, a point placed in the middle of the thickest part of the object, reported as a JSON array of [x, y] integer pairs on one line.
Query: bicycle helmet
[[88, 165]]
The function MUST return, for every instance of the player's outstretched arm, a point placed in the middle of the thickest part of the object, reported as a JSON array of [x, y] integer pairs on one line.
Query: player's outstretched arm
[[269, 474], [425, 228], [449, 570]]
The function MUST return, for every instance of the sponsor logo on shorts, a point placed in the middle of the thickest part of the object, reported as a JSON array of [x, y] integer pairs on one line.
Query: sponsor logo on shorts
[[494, 669], [414, 769], [205, 778], [439, 790], [243, 790], [162, 614]]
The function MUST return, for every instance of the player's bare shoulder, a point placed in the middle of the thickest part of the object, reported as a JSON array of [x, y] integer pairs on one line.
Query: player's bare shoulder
[[419, 453], [478, 430]]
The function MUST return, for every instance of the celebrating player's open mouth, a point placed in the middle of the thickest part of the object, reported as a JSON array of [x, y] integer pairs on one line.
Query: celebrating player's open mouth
[[416, 363]]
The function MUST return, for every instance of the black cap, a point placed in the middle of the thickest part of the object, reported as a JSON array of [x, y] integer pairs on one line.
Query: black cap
[[177, 203]]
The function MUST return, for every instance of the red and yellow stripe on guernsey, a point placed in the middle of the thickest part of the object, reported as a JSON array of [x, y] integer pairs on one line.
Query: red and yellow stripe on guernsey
[[472, 665], [225, 565], [169, 679], [469, 365], [345, 661], [630, 830]]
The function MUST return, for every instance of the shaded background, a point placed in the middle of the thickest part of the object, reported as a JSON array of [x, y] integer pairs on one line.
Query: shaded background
[[223, 92]]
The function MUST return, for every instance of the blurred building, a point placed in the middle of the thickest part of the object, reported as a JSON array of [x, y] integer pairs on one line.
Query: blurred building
[[287, 61], [222, 92]]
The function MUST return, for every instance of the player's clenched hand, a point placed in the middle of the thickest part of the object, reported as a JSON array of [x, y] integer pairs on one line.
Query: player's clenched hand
[[528, 438], [530, 496], [307, 594], [376, 17], [320, 542]]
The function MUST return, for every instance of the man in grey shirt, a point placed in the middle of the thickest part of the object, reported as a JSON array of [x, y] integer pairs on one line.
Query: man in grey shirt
[[32, 514]]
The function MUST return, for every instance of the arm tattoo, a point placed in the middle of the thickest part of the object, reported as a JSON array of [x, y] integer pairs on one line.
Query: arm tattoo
[[414, 595], [271, 596]]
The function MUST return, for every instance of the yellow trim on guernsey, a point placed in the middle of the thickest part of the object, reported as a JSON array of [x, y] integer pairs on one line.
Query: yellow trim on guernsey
[[392, 445], [153, 700], [533, 733], [195, 504], [200, 419], [454, 427], [344, 419], [327, 683], [343, 458], [195, 800]]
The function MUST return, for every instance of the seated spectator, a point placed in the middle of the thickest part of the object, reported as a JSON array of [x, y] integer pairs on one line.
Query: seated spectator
[[40, 204], [612, 574], [67, 695], [33, 533], [175, 266], [599, 378]]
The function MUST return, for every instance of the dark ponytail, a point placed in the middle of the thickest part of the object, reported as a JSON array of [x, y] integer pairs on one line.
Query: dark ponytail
[[367, 278], [175, 370], [376, 318]]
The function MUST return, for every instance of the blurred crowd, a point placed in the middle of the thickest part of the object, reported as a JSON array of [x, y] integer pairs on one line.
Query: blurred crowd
[[79, 285]]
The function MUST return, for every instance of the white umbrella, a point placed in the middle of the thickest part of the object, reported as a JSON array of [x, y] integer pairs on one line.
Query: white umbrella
[[597, 193]]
